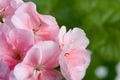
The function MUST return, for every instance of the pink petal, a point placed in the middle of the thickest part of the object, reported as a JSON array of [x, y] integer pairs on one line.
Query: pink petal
[[78, 37], [4, 3], [5, 28], [74, 64], [51, 75], [73, 38], [16, 3], [21, 40], [61, 35], [3, 43], [9, 61], [49, 20], [64, 67], [4, 71], [48, 28], [5, 52], [12, 76], [23, 72], [26, 16], [43, 53]]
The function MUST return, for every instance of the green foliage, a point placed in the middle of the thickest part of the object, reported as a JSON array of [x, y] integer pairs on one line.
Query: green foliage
[[101, 21]]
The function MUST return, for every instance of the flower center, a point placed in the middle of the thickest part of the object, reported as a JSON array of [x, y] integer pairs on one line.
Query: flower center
[[17, 57], [36, 29], [38, 68]]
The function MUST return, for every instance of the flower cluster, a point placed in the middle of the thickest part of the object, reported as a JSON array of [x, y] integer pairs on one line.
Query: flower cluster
[[32, 47]]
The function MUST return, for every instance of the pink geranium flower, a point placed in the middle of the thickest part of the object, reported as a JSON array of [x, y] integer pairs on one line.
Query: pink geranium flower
[[7, 8], [39, 63], [44, 27], [32, 46], [74, 58], [14, 45]]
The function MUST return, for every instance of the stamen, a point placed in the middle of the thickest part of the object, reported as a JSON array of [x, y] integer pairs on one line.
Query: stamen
[[38, 68], [2, 15], [36, 29], [1, 19], [66, 54]]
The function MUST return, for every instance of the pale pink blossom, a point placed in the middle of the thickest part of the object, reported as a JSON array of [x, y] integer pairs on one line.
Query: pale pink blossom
[[4, 71], [14, 45], [7, 9], [44, 27], [73, 38], [39, 63], [12, 76], [74, 58]]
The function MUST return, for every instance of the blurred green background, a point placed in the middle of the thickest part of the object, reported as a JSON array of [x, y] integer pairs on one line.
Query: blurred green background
[[101, 21]]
